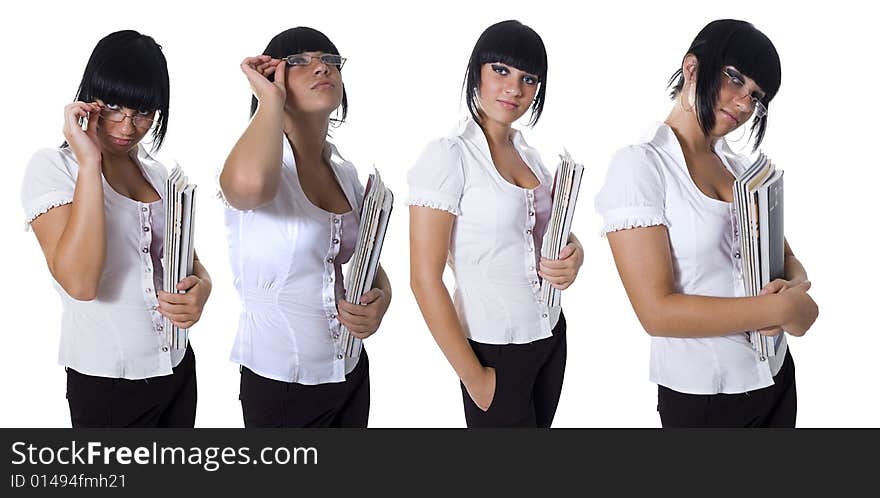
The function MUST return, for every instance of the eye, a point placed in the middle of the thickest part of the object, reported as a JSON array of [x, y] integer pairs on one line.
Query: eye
[[502, 70], [530, 79], [112, 107], [144, 113]]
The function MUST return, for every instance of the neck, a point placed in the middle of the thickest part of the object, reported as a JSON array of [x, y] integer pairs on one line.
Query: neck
[[497, 134], [688, 131], [113, 161], [307, 134]]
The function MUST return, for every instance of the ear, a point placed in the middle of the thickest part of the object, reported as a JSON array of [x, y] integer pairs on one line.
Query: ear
[[689, 67]]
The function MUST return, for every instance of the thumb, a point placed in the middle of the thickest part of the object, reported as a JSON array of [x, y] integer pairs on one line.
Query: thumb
[[281, 75], [371, 296], [187, 283], [772, 287], [566, 251]]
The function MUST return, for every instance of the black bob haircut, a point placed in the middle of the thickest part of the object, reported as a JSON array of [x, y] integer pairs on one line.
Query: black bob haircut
[[728, 42], [128, 69], [514, 44], [296, 41]]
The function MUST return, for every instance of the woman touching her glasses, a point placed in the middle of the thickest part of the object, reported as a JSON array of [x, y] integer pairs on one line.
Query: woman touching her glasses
[[292, 215], [480, 200], [95, 205], [669, 218]]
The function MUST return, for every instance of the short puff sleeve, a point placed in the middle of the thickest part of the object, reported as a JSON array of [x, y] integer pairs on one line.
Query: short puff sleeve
[[437, 178], [49, 181], [634, 192]]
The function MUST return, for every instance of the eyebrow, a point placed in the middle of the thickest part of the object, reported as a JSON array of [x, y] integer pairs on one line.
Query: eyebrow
[[760, 94]]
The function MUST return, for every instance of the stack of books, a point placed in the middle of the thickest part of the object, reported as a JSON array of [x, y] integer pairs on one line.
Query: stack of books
[[758, 202], [364, 263], [179, 202], [566, 185]]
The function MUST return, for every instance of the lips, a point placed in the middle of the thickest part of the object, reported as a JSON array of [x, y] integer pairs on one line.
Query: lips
[[731, 116], [121, 141], [507, 104], [323, 84]]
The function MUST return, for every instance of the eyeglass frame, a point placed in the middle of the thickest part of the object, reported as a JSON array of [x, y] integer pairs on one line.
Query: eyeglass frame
[[758, 107], [319, 57], [132, 117]]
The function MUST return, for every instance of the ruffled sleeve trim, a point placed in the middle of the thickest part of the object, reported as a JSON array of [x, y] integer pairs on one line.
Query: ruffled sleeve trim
[[44, 207], [434, 204], [633, 217]]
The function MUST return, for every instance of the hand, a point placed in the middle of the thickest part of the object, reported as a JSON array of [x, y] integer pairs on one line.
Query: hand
[[363, 319], [184, 310], [257, 69], [85, 144], [562, 272], [482, 392], [774, 287], [799, 311]]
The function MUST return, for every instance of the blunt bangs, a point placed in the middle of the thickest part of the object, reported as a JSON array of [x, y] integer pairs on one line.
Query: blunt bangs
[[128, 69], [296, 41], [516, 45], [729, 42]]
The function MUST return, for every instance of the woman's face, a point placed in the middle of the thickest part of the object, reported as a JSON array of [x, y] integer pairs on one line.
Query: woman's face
[[506, 93], [120, 129], [738, 99], [315, 87]]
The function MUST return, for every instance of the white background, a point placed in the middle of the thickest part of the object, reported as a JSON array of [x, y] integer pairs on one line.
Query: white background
[[609, 63]]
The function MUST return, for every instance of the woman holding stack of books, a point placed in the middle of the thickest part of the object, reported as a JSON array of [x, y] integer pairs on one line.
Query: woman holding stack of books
[[480, 200], [669, 218], [292, 215], [95, 205]]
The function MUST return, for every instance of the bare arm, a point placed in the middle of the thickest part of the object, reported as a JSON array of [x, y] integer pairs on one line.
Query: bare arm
[[644, 262], [72, 236], [430, 231], [252, 171]]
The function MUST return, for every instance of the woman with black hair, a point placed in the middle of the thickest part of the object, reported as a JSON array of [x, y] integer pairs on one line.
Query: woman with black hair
[[95, 205], [669, 218], [480, 199], [292, 215]]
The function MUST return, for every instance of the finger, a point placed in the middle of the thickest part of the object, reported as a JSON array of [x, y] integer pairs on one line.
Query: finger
[[773, 287], [352, 309], [371, 296], [179, 317], [362, 335], [188, 283], [561, 286], [175, 308], [555, 272], [567, 251], [354, 322], [185, 324], [555, 263], [174, 298], [281, 74]]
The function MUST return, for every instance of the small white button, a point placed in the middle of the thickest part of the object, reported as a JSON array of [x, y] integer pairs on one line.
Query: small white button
[[329, 260], [339, 357], [145, 250], [333, 317], [336, 335], [736, 255], [531, 268], [146, 229], [335, 241], [148, 291], [147, 269], [544, 315], [531, 213], [530, 249], [144, 209], [335, 220], [164, 349], [529, 231], [160, 328]]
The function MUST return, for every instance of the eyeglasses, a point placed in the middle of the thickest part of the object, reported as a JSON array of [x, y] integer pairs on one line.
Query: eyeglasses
[[302, 60], [737, 81], [117, 116]]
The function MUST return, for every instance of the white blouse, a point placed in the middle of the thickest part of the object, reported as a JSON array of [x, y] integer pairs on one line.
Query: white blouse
[[118, 334], [649, 184], [287, 259], [496, 239]]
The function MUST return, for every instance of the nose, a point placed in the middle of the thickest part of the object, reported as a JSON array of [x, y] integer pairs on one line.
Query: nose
[[744, 103], [320, 67], [127, 124], [513, 89]]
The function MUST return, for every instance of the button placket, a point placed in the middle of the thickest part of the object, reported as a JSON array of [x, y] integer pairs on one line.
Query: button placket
[[150, 299], [530, 265], [328, 285]]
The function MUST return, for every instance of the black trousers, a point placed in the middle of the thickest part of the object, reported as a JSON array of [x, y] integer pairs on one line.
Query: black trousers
[[272, 403], [166, 401], [772, 406], [528, 382]]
